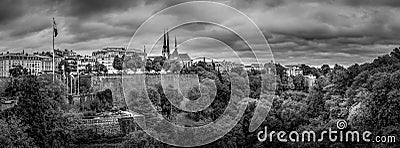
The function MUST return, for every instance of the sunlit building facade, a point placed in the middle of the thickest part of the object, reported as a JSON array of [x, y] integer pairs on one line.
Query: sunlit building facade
[[35, 64], [106, 56]]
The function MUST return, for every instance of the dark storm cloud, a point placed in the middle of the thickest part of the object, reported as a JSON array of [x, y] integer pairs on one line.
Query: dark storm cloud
[[226, 38], [303, 31], [20, 18], [36, 24], [86, 31], [390, 3], [338, 28], [88, 19], [88, 8], [9, 10], [195, 27]]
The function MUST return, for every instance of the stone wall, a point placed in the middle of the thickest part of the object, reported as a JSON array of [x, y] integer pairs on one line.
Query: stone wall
[[3, 84], [114, 83], [109, 126], [137, 81]]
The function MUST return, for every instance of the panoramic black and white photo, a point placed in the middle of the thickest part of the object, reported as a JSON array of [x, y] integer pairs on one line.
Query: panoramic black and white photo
[[210, 73]]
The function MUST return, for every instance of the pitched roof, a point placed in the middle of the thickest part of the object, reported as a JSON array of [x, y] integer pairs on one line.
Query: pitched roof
[[184, 57], [256, 65], [292, 65], [174, 55]]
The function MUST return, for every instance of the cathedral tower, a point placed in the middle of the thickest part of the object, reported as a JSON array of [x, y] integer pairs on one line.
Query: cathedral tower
[[166, 50]]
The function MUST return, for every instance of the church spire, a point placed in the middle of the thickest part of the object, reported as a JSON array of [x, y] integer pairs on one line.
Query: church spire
[[144, 52], [176, 44], [168, 51], [164, 48], [164, 43]]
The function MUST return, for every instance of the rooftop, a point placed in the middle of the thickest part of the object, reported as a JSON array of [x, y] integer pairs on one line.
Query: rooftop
[[184, 57]]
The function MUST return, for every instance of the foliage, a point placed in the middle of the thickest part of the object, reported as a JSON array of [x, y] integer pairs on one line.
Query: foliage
[[173, 66], [100, 68], [39, 108], [315, 98], [66, 67], [133, 62], [88, 68], [325, 69], [13, 133], [18, 70], [105, 100], [300, 83], [118, 62], [307, 70], [365, 95], [84, 84], [340, 78], [280, 70], [141, 139]]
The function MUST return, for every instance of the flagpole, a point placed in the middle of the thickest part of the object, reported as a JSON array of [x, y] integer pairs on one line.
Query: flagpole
[[78, 77], [53, 52]]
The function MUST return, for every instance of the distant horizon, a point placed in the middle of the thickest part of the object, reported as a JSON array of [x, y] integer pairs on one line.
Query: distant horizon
[[89, 53]]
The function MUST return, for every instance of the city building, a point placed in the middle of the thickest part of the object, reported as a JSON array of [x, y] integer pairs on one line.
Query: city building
[[253, 66], [49, 62], [310, 79], [184, 58], [203, 59], [227, 65], [64, 53], [293, 70], [166, 50], [106, 56], [72, 64], [154, 57], [270, 68], [257, 66], [83, 61], [34, 63], [247, 67]]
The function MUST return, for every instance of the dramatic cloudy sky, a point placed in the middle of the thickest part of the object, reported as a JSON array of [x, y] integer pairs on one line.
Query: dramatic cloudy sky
[[304, 31]]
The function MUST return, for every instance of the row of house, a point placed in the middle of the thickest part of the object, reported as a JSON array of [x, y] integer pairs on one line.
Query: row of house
[[106, 56], [42, 63], [35, 64], [39, 63]]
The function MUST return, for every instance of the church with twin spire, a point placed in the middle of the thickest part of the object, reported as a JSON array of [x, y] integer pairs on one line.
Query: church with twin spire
[[185, 59]]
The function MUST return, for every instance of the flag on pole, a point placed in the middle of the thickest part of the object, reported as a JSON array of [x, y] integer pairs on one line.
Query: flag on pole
[[55, 33], [55, 28]]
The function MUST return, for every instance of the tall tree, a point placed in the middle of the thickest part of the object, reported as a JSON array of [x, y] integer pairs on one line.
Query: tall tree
[[306, 69], [174, 66], [325, 69], [100, 68], [88, 68], [300, 83], [158, 63], [340, 78], [39, 107], [133, 62], [118, 62], [280, 70], [18, 70], [149, 65], [316, 102]]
